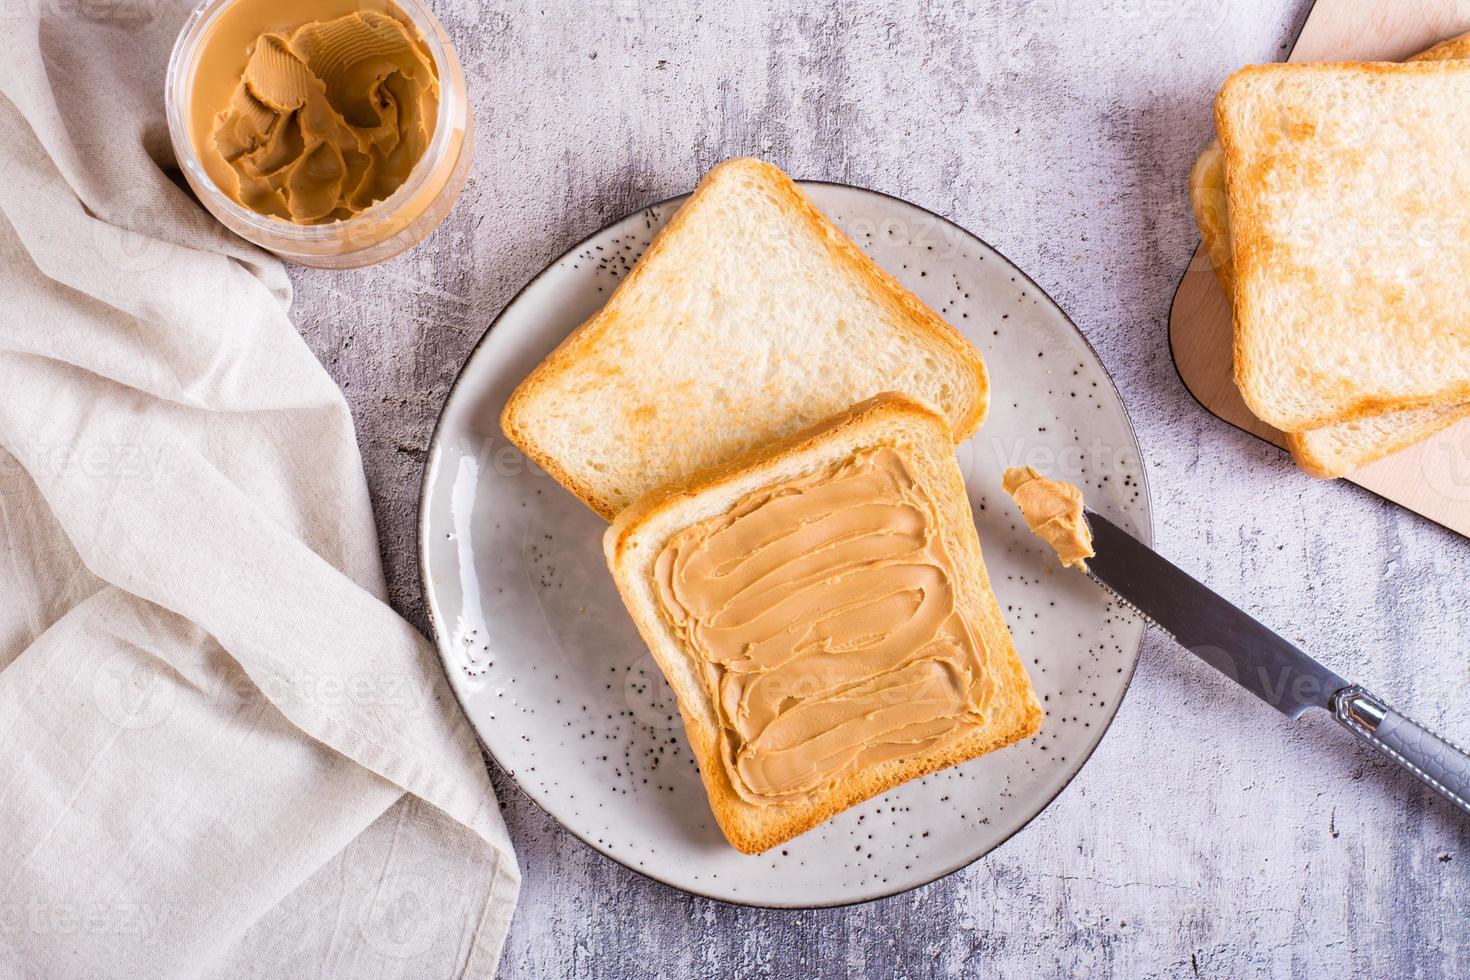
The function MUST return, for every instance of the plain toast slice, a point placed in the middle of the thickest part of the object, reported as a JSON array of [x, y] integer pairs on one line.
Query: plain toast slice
[[1351, 254], [750, 317]]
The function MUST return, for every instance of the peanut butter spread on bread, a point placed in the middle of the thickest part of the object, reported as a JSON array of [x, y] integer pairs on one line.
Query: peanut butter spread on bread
[[329, 118], [1053, 512], [822, 615]]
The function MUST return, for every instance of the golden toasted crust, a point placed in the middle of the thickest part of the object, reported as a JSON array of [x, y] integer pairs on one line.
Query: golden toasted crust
[[1278, 151], [1335, 450], [1311, 465], [1454, 49], [621, 315], [924, 437]]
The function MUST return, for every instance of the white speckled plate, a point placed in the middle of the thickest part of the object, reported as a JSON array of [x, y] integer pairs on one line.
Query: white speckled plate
[[555, 679]]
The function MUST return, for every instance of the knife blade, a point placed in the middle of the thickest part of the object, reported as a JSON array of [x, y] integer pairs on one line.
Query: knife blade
[[1264, 663], [1259, 660]]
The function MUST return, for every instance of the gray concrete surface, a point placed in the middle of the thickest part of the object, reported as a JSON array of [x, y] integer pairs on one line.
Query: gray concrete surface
[[1208, 836]]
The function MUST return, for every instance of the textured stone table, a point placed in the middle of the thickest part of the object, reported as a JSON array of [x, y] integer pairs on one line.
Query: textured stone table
[[1207, 836]]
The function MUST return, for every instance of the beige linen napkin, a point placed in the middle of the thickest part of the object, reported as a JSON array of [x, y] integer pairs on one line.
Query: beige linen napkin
[[220, 751]]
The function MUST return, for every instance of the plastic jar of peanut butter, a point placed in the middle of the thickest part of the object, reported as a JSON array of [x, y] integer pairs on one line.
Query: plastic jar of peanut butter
[[334, 133]]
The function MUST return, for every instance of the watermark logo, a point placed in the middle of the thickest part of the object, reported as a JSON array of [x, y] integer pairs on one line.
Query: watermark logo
[[1280, 685], [132, 693], [402, 916], [131, 236], [358, 689], [1446, 464], [649, 696], [504, 459]]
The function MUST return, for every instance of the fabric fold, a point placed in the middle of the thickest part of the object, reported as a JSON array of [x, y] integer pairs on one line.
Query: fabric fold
[[221, 752]]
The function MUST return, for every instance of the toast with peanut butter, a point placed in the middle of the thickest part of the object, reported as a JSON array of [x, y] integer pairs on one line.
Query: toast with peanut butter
[[822, 611], [750, 317], [1334, 449]]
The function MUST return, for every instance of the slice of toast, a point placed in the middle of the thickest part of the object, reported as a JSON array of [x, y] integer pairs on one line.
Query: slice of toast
[[1351, 251], [1331, 450], [750, 317], [754, 678], [1337, 449], [1328, 451]]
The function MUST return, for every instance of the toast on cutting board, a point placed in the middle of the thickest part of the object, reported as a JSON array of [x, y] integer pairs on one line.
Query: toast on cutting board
[[1346, 191], [822, 611], [750, 316], [1334, 449]]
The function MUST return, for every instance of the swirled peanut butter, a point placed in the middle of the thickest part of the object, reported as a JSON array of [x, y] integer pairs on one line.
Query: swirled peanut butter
[[326, 119], [822, 615], [1053, 511]]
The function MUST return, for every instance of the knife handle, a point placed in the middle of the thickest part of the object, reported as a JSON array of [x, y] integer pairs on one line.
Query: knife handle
[[1436, 761]]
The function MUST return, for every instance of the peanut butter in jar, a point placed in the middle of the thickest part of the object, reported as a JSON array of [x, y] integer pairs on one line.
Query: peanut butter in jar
[[324, 121], [333, 132]]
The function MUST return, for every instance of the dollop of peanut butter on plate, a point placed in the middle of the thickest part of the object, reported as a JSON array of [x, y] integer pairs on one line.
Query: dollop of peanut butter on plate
[[1053, 511], [328, 119]]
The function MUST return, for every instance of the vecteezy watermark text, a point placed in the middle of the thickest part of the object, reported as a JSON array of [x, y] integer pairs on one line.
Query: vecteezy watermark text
[[135, 694], [1065, 462], [93, 461], [80, 918]]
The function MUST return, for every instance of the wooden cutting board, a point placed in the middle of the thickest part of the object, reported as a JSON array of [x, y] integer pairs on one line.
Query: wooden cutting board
[[1433, 477]]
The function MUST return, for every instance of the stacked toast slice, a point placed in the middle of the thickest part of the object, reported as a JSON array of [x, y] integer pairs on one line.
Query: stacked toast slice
[[1332, 209]]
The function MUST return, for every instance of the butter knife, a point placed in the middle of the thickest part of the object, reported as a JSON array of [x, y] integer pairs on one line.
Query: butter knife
[[1266, 664]]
